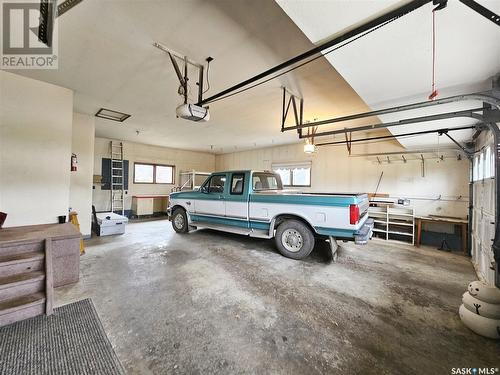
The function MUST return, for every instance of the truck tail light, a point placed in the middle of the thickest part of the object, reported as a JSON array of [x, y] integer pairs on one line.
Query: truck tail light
[[353, 214]]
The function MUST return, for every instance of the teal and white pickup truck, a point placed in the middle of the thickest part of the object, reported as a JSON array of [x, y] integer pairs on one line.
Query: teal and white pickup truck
[[254, 203]]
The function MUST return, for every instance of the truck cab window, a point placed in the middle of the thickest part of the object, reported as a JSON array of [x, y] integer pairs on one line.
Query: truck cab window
[[266, 181], [216, 184], [237, 183]]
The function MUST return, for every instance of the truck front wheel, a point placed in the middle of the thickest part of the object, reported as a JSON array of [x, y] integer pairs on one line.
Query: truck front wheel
[[294, 239], [179, 221]]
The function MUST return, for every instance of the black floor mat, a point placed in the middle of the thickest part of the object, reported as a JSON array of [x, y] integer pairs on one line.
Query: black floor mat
[[71, 341]]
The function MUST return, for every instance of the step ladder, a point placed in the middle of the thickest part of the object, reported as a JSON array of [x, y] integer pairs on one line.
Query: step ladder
[[116, 183]]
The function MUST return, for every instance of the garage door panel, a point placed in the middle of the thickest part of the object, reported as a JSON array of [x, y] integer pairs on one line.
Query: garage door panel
[[475, 222], [478, 195], [485, 265], [483, 220], [491, 194]]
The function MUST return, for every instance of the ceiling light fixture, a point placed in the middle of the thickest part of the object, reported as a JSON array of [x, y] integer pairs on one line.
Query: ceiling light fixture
[[309, 148], [109, 114]]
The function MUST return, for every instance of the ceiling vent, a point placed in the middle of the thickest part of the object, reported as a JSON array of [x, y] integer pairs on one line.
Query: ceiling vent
[[109, 114]]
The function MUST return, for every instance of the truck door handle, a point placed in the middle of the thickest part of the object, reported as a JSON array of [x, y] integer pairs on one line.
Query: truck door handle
[[221, 197]]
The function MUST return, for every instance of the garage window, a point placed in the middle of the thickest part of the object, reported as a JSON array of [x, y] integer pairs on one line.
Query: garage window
[[483, 164], [164, 174], [294, 175], [488, 163], [480, 166], [153, 173]]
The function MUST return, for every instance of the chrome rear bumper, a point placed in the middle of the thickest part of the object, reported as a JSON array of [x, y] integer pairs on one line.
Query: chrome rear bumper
[[365, 233]]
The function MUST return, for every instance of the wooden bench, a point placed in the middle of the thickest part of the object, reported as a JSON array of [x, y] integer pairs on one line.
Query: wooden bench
[[443, 219]]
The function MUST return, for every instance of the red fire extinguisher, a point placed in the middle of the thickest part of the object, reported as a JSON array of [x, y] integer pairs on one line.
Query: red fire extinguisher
[[74, 163]]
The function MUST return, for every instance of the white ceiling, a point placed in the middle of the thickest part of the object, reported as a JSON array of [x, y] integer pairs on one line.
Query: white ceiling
[[392, 65], [106, 56]]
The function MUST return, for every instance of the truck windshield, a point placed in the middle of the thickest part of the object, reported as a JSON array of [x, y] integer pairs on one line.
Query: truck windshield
[[266, 181]]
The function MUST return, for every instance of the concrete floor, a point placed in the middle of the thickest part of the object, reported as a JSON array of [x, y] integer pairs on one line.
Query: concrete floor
[[210, 302]]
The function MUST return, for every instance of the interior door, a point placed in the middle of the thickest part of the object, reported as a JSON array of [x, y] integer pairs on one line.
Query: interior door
[[211, 201]]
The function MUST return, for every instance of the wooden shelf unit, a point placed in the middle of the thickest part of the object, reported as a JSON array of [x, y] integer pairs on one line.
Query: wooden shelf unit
[[391, 221]]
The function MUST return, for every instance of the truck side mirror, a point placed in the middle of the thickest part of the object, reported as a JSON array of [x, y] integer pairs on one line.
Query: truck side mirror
[[204, 189]]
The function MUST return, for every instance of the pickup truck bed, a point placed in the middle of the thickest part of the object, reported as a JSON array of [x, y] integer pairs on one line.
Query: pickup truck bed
[[326, 213]]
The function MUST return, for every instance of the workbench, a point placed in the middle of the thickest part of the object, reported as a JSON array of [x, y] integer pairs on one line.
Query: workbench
[[462, 223]]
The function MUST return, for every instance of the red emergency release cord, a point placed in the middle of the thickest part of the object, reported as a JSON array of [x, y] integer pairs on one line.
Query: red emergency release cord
[[434, 92]]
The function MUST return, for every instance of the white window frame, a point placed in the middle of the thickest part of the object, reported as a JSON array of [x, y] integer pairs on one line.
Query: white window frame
[[291, 167], [154, 165]]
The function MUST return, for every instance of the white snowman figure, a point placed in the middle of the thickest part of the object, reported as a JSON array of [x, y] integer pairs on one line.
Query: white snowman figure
[[488, 310], [480, 309], [484, 292]]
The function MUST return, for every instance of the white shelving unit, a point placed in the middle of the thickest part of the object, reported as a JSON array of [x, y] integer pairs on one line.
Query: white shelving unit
[[393, 222], [190, 180]]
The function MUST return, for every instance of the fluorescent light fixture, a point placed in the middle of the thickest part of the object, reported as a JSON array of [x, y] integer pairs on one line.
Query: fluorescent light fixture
[[309, 148], [109, 114]]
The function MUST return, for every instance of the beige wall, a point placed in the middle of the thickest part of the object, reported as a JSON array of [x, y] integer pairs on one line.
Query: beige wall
[[137, 152], [35, 150], [334, 171], [80, 197]]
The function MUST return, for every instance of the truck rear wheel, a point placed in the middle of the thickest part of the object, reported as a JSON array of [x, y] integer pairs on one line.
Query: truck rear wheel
[[294, 239], [179, 221]]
